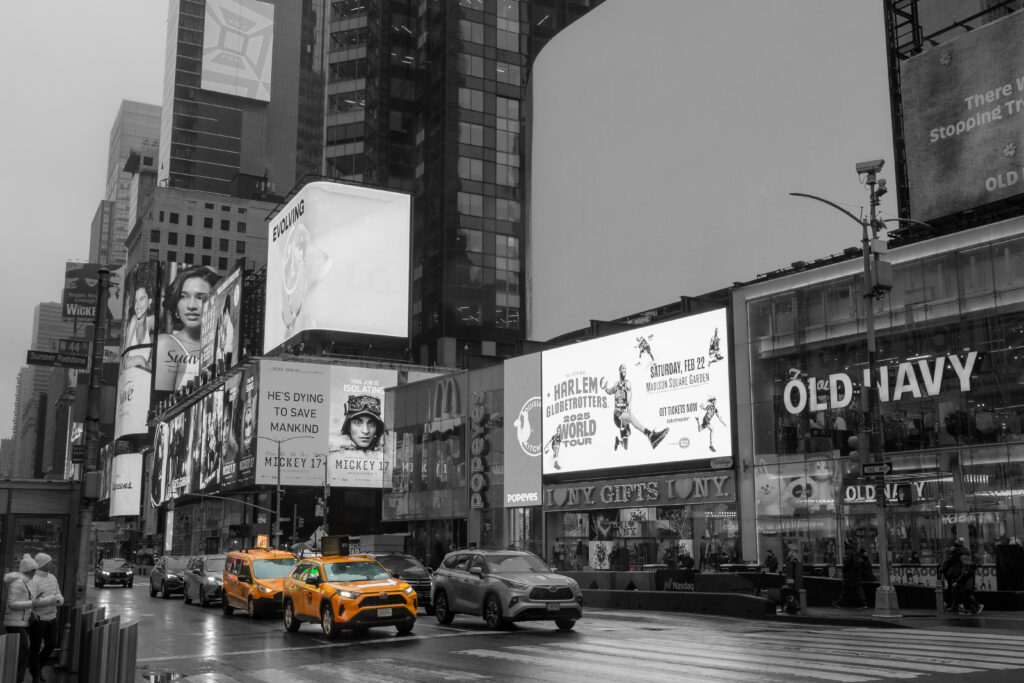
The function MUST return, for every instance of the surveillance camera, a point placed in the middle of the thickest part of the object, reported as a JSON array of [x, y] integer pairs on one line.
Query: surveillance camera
[[870, 166]]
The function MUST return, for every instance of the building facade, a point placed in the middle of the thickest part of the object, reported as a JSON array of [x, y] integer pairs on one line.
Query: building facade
[[426, 98], [243, 91]]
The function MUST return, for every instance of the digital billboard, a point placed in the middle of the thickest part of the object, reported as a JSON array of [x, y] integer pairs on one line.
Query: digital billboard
[[186, 292], [338, 260], [656, 394], [523, 438], [326, 421], [81, 284], [125, 484], [135, 376], [963, 120], [238, 46]]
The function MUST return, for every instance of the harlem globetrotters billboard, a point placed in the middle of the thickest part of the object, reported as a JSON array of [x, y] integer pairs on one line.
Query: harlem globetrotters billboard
[[963, 105], [656, 394]]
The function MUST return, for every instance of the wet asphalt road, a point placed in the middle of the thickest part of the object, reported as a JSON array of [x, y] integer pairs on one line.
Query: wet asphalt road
[[192, 644]]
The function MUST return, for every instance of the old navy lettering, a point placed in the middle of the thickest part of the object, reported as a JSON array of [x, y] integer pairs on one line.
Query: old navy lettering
[[923, 378]]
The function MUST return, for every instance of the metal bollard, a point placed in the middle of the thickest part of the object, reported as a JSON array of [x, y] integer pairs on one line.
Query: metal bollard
[[9, 645], [803, 602], [940, 601], [127, 653]]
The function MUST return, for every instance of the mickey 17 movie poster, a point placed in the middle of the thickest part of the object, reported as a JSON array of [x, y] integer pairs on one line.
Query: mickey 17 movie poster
[[657, 394]]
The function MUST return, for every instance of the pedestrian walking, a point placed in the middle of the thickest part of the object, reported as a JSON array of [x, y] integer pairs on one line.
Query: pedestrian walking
[[558, 553], [963, 589], [771, 562], [18, 610], [852, 594], [950, 571], [43, 632]]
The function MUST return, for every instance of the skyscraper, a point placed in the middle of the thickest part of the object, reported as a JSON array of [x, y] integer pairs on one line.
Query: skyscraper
[[136, 129], [242, 95], [425, 97]]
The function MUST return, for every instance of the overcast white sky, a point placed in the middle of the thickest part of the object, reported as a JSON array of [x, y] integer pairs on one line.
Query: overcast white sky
[[66, 66]]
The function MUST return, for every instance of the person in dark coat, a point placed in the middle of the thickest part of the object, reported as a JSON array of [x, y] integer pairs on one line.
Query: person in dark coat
[[963, 589], [852, 594], [867, 573], [771, 562], [950, 571]]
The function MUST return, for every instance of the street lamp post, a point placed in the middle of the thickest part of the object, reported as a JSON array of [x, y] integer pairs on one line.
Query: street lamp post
[[877, 282], [277, 513]]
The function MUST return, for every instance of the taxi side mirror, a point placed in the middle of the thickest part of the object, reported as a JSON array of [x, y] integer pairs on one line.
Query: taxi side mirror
[[313, 580], [477, 571], [243, 578]]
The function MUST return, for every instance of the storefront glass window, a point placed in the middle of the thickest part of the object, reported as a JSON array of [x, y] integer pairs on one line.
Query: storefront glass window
[[37, 535]]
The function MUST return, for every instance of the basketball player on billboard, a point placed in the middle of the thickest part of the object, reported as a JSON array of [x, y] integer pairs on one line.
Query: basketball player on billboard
[[622, 390], [710, 411]]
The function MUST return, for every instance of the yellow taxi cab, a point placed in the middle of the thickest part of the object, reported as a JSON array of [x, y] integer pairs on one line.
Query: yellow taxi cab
[[347, 592], [253, 580]]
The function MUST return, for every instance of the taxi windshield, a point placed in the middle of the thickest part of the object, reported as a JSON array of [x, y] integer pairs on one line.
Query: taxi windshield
[[277, 568], [355, 571]]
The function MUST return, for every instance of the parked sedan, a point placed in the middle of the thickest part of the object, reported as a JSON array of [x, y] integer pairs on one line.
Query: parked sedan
[[409, 569], [204, 577], [168, 576], [113, 570]]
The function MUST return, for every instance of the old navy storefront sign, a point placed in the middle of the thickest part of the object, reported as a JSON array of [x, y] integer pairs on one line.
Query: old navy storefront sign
[[909, 379], [718, 487]]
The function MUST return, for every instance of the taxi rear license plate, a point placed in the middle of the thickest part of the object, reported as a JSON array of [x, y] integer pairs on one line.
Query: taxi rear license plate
[[553, 607], [384, 612]]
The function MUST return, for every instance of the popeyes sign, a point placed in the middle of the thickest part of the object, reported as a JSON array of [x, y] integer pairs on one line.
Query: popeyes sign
[[908, 379]]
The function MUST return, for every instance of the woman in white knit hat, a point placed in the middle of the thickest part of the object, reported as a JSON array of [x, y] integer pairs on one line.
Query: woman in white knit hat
[[18, 612], [43, 632]]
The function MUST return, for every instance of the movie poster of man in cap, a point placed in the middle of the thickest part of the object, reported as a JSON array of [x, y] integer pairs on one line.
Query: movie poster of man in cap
[[357, 426]]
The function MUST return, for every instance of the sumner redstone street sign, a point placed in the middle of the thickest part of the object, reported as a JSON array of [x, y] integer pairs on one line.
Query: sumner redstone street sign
[[55, 359]]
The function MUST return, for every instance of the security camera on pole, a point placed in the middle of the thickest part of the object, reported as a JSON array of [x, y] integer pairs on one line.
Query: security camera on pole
[[878, 281]]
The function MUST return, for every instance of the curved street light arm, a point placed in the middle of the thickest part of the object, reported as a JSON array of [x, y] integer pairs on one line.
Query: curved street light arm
[[832, 204]]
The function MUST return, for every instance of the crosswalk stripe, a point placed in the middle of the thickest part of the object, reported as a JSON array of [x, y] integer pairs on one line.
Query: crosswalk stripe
[[868, 644], [605, 659], [739, 659], [781, 646], [914, 651], [957, 636], [277, 675], [554, 660]]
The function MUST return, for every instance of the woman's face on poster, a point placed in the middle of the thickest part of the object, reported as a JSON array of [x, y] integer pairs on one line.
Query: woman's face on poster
[[194, 293], [141, 302]]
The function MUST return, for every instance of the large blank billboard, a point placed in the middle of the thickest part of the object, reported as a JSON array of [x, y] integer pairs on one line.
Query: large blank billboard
[[238, 46], [338, 260], [963, 120], [656, 394]]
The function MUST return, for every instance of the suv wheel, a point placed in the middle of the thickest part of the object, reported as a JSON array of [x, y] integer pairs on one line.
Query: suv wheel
[[442, 611], [224, 606], [405, 628], [188, 598], [152, 590], [327, 623], [163, 591], [492, 613], [203, 600], [565, 624], [290, 622], [250, 608]]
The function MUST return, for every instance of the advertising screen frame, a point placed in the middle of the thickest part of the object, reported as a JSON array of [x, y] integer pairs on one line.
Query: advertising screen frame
[[663, 397], [338, 260]]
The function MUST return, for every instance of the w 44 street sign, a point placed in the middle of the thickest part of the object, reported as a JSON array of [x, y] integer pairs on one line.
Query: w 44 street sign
[[877, 469]]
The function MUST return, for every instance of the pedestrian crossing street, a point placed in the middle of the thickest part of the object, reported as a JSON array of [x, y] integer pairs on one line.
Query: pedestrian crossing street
[[765, 653]]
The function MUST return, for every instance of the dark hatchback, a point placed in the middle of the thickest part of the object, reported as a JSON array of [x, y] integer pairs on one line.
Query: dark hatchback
[[113, 570], [408, 569], [168, 576]]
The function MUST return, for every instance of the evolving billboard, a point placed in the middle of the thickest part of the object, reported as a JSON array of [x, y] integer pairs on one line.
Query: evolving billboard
[[963, 120], [338, 260], [657, 394], [238, 47]]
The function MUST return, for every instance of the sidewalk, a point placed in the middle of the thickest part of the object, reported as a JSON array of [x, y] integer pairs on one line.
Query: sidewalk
[[912, 618]]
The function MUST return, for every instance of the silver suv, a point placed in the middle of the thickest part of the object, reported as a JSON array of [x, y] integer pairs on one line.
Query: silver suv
[[504, 586]]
